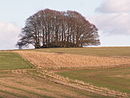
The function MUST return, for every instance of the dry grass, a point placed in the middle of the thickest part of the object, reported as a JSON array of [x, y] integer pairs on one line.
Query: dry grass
[[43, 84], [45, 60], [24, 85], [42, 59], [38, 83], [80, 85]]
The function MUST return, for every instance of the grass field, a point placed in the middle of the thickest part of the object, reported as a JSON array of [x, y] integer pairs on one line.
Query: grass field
[[28, 85], [19, 79], [117, 78], [93, 51], [10, 60], [21, 73], [114, 78], [60, 60]]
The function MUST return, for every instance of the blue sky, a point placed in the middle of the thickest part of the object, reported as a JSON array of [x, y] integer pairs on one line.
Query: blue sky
[[110, 16]]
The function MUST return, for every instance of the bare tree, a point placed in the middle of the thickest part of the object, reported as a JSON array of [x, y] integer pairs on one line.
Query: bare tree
[[50, 28]]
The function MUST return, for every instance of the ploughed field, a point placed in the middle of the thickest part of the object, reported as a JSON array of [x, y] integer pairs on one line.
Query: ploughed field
[[102, 72]]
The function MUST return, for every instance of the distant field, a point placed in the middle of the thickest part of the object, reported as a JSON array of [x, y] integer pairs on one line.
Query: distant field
[[10, 60], [114, 78], [93, 51]]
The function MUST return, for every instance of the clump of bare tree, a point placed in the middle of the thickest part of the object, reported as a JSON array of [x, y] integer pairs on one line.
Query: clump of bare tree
[[49, 28]]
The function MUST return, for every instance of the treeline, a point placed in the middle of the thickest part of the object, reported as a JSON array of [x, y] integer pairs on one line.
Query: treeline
[[49, 28]]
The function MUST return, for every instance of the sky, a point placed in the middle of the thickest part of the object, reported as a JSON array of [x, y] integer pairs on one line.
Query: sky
[[111, 17]]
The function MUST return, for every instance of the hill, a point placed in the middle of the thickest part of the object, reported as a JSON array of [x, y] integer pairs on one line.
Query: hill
[[65, 73]]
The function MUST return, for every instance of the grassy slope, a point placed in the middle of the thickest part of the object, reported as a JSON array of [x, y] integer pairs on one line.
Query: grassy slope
[[94, 51], [116, 78], [28, 85], [10, 60]]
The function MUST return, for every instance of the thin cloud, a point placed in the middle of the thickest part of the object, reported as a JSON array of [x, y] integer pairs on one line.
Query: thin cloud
[[114, 6], [113, 19], [113, 23], [117, 19], [8, 35]]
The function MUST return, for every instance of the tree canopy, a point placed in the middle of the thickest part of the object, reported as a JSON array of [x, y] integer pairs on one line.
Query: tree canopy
[[49, 28]]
